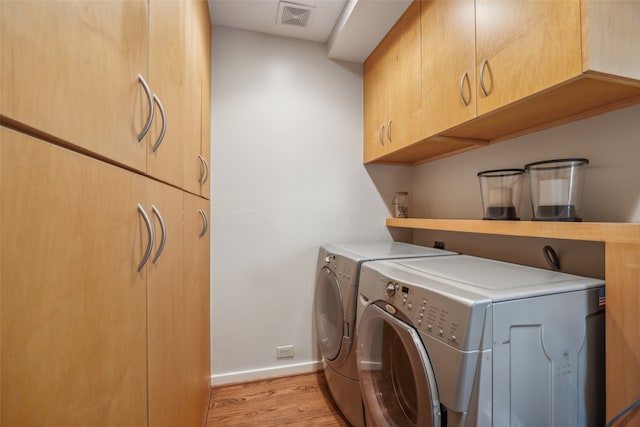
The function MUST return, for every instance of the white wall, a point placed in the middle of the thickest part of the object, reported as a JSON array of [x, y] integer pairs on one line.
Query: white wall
[[449, 188], [287, 176]]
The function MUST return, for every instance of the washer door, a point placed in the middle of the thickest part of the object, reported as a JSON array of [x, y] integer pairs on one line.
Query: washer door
[[396, 379], [329, 314]]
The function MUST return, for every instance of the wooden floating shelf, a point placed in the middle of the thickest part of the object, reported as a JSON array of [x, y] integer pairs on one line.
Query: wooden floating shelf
[[610, 232]]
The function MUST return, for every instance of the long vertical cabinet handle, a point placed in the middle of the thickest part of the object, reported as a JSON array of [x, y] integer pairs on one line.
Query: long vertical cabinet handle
[[164, 123], [482, 68], [389, 131], [150, 231], [205, 170], [147, 126], [380, 134], [205, 223], [465, 76], [164, 234]]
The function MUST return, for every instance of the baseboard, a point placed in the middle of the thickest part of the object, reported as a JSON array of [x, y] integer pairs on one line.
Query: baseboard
[[264, 373]]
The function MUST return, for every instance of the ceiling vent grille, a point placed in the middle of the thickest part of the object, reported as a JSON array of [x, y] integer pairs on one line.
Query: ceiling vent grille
[[293, 14]]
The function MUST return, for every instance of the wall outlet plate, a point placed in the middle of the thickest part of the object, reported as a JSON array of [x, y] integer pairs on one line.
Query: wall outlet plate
[[284, 351]]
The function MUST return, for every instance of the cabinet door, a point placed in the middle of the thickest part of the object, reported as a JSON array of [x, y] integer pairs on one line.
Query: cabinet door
[[166, 307], [197, 148], [528, 46], [69, 69], [448, 64], [73, 305], [205, 140], [171, 79], [404, 80], [375, 104], [196, 283]]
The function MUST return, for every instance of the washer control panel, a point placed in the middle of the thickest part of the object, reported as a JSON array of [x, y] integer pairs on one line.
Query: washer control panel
[[452, 319]]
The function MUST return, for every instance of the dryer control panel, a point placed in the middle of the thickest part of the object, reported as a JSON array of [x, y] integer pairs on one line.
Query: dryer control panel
[[345, 269]]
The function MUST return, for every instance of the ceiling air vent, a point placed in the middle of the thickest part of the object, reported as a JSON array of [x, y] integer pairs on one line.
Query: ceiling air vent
[[293, 14]]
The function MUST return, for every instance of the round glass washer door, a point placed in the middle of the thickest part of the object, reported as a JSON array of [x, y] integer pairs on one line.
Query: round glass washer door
[[329, 314], [396, 378]]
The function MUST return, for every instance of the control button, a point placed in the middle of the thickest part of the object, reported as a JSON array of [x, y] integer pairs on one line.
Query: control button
[[327, 259], [390, 290], [421, 316], [391, 309], [441, 332], [410, 306], [454, 338], [422, 308], [419, 322], [429, 326], [348, 277]]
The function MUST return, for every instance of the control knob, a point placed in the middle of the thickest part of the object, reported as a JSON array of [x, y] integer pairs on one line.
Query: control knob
[[390, 289]]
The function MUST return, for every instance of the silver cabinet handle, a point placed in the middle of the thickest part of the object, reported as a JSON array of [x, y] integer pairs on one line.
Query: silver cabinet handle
[[149, 98], [482, 68], [205, 223], [389, 131], [164, 234], [465, 76], [164, 123], [150, 231], [205, 170], [380, 134]]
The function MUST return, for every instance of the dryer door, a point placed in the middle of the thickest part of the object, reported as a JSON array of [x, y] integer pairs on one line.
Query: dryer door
[[329, 314], [396, 379]]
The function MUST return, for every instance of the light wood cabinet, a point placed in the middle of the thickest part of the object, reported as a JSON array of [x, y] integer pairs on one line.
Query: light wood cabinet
[[391, 89], [197, 151], [70, 74], [115, 346], [167, 312], [169, 77], [549, 63], [196, 349], [68, 71], [79, 322], [524, 48], [448, 64], [536, 64], [73, 308]]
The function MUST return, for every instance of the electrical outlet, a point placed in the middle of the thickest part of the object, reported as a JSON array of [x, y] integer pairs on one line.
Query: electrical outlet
[[284, 351]]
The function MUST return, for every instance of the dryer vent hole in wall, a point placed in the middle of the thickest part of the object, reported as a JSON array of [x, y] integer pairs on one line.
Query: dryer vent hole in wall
[[284, 351]]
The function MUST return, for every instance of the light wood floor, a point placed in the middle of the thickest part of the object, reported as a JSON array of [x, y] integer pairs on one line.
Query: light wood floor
[[299, 400]]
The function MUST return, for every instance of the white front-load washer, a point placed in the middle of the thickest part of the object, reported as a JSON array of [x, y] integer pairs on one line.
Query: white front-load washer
[[465, 341], [336, 291]]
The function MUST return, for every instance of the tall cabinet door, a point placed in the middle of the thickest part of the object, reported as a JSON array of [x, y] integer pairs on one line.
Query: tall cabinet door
[[524, 47], [166, 307], [197, 372], [73, 308], [70, 70], [197, 147], [171, 80], [205, 91]]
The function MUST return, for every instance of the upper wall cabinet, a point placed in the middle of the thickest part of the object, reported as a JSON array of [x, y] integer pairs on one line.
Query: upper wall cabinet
[[392, 89], [170, 80], [119, 79], [70, 70], [496, 69], [448, 64], [197, 151], [523, 48]]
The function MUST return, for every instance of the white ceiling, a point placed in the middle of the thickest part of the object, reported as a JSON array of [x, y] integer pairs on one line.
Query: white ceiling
[[350, 28]]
